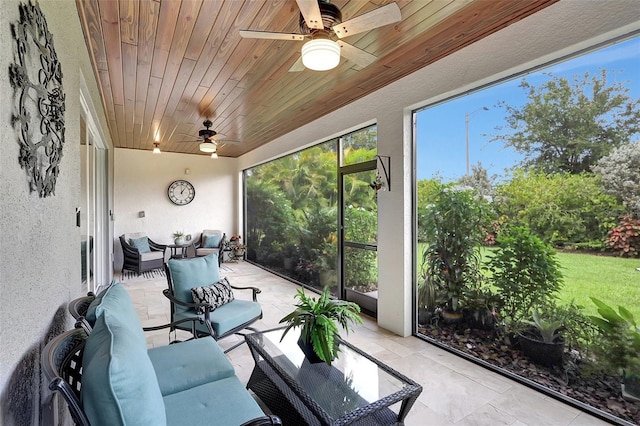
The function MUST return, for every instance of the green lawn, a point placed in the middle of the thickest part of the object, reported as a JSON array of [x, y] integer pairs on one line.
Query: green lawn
[[613, 280]]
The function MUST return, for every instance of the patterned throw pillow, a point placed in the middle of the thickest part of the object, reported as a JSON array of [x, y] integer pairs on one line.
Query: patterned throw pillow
[[215, 295]]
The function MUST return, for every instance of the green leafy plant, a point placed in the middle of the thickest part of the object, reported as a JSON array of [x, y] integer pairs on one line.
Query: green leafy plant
[[453, 231], [620, 339], [548, 328], [178, 234], [319, 319], [526, 274]]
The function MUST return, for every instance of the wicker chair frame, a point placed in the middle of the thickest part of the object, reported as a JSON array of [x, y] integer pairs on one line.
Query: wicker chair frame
[[133, 260]]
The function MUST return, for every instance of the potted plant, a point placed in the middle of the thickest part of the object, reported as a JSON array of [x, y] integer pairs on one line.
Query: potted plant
[[620, 346], [525, 273], [318, 320], [179, 237], [541, 341]]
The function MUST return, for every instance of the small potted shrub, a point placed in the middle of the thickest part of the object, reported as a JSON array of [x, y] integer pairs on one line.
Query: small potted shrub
[[542, 341], [318, 320], [179, 237]]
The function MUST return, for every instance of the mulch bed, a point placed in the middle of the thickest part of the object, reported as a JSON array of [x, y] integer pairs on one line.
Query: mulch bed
[[598, 390]]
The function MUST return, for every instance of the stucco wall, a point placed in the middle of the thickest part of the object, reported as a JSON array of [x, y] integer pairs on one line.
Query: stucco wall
[[39, 241], [565, 27], [141, 182]]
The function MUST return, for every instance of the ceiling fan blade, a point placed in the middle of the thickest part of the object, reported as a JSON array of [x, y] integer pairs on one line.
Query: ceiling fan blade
[[376, 18], [355, 54], [297, 66], [268, 35], [311, 12], [228, 142]]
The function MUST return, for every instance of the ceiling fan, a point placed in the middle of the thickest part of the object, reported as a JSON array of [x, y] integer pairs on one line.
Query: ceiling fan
[[321, 23], [209, 139]]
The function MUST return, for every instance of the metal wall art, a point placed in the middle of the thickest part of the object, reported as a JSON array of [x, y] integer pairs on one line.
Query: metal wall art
[[38, 106]]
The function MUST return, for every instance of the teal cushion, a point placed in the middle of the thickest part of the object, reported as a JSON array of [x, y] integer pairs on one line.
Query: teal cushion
[[117, 301], [142, 244], [90, 316], [192, 363], [189, 273], [226, 317], [119, 385], [224, 402], [212, 241]]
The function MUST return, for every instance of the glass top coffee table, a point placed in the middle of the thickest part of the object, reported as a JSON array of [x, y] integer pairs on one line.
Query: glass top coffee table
[[355, 389]]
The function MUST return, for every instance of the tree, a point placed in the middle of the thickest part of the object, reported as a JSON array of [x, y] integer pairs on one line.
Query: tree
[[568, 126], [480, 181], [620, 173]]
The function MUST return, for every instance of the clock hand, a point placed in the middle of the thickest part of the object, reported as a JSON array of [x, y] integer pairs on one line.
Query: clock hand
[[183, 188]]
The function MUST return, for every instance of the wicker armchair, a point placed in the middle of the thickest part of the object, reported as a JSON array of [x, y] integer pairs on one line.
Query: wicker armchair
[[202, 248], [140, 261]]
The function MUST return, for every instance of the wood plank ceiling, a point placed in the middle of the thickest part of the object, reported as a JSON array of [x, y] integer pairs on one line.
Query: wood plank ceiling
[[164, 66]]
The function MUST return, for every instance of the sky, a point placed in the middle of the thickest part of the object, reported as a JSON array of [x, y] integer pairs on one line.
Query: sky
[[441, 134]]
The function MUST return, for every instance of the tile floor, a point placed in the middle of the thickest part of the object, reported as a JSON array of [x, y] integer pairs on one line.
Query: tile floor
[[455, 391]]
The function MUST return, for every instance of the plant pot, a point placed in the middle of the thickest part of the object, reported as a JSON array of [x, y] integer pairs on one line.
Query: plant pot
[[451, 317], [424, 316], [309, 353], [547, 354], [479, 319], [631, 387], [179, 241]]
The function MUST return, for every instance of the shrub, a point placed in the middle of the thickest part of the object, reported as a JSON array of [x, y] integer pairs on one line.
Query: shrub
[[625, 238], [526, 274], [559, 208], [453, 232]]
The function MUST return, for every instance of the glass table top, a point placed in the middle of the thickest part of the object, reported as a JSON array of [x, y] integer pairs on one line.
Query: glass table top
[[352, 381]]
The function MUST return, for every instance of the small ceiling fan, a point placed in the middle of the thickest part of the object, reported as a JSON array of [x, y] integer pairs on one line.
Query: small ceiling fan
[[321, 23], [209, 139]]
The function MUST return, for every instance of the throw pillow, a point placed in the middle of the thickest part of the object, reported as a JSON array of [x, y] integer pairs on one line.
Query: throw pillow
[[215, 295], [142, 244], [212, 241]]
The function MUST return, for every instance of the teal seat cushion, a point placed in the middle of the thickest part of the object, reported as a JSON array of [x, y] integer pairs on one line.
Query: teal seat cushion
[[226, 317], [90, 316], [224, 402], [119, 385], [192, 363], [141, 243], [189, 273], [116, 300], [212, 240]]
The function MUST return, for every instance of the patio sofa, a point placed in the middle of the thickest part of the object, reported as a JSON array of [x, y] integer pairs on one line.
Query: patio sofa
[[120, 382]]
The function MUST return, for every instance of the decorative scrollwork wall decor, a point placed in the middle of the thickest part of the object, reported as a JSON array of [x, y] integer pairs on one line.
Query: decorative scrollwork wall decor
[[39, 101]]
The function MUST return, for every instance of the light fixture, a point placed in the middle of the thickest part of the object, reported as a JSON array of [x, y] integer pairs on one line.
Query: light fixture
[[156, 149], [208, 147], [214, 155], [321, 53]]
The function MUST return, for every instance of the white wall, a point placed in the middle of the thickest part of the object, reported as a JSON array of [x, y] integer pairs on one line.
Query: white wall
[[39, 241], [567, 26], [141, 182]]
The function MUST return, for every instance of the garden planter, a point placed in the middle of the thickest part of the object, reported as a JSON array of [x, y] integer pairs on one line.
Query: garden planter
[[480, 319], [547, 354], [424, 316], [450, 317], [631, 387]]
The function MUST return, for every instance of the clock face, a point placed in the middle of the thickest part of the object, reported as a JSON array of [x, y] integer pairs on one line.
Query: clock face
[[181, 192]]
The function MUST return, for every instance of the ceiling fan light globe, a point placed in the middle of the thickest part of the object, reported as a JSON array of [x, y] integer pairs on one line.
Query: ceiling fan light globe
[[321, 54], [207, 147]]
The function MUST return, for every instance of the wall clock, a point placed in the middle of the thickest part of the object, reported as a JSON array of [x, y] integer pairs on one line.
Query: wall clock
[[38, 106], [181, 192]]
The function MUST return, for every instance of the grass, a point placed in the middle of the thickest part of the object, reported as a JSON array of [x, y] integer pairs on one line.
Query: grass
[[613, 280]]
